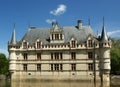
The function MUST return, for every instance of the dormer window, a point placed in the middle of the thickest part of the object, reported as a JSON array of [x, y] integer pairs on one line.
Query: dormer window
[[56, 36], [52, 37], [39, 44], [73, 43], [61, 36], [89, 43], [24, 45]]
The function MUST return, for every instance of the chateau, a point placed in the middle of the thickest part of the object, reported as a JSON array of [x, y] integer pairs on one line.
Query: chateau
[[60, 53]]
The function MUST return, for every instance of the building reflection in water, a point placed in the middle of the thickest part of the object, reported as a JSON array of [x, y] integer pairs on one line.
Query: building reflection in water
[[57, 84]]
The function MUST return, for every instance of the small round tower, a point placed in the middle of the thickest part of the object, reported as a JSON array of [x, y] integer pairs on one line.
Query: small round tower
[[105, 45], [12, 54]]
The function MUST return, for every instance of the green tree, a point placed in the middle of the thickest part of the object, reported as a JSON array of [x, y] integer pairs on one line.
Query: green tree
[[4, 64], [115, 56]]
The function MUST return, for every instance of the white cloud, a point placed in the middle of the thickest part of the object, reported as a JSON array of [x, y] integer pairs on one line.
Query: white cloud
[[60, 10], [113, 32], [50, 20]]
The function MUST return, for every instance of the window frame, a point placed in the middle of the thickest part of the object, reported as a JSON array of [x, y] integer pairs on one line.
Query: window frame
[[73, 67], [38, 67], [90, 55], [25, 67], [90, 66]]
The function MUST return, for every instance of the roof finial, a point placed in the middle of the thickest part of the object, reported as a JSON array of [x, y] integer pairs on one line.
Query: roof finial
[[28, 23], [97, 32], [103, 21], [89, 21], [56, 23], [14, 26]]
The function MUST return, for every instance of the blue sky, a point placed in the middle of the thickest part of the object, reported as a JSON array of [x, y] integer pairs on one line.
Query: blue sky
[[40, 13]]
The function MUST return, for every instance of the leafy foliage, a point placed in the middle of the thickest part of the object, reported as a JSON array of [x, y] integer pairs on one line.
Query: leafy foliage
[[115, 56], [4, 64]]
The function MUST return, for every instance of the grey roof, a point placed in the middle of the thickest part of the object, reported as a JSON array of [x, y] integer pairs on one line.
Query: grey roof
[[38, 33], [13, 39], [104, 37], [43, 34]]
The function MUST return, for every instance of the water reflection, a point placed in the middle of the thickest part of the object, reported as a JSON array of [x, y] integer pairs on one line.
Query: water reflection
[[58, 84]]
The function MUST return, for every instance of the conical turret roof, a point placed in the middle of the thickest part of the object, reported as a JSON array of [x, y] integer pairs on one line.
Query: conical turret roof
[[104, 36], [13, 39]]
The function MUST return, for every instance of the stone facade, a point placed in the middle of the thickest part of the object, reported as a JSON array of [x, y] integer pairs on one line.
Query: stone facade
[[60, 53]]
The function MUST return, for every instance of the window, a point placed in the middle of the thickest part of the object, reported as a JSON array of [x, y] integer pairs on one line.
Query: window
[[38, 56], [89, 43], [61, 57], [39, 44], [52, 36], [90, 66], [61, 67], [73, 43], [25, 56], [90, 55], [52, 67], [73, 55], [73, 67], [24, 45], [57, 67], [56, 36], [25, 67], [51, 56], [57, 56], [61, 36], [38, 67]]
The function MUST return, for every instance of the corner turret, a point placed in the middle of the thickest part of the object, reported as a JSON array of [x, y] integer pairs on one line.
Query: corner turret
[[105, 45], [12, 53]]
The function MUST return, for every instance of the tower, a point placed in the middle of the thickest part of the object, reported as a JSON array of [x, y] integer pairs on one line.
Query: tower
[[105, 45], [12, 53]]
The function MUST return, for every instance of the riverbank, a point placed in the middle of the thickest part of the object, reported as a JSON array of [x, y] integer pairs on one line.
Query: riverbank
[[113, 77], [2, 77]]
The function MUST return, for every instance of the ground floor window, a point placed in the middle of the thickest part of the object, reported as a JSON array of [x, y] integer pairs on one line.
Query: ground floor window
[[90, 66], [56, 67], [38, 67], [25, 67], [73, 67]]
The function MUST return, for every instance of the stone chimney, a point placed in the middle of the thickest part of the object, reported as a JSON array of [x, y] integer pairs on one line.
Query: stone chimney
[[79, 24]]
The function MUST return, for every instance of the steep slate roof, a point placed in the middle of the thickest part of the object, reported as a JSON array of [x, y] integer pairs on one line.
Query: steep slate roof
[[13, 39], [104, 37], [33, 34], [69, 31]]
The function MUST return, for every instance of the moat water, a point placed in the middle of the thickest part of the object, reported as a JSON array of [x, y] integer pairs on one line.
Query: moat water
[[57, 84]]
